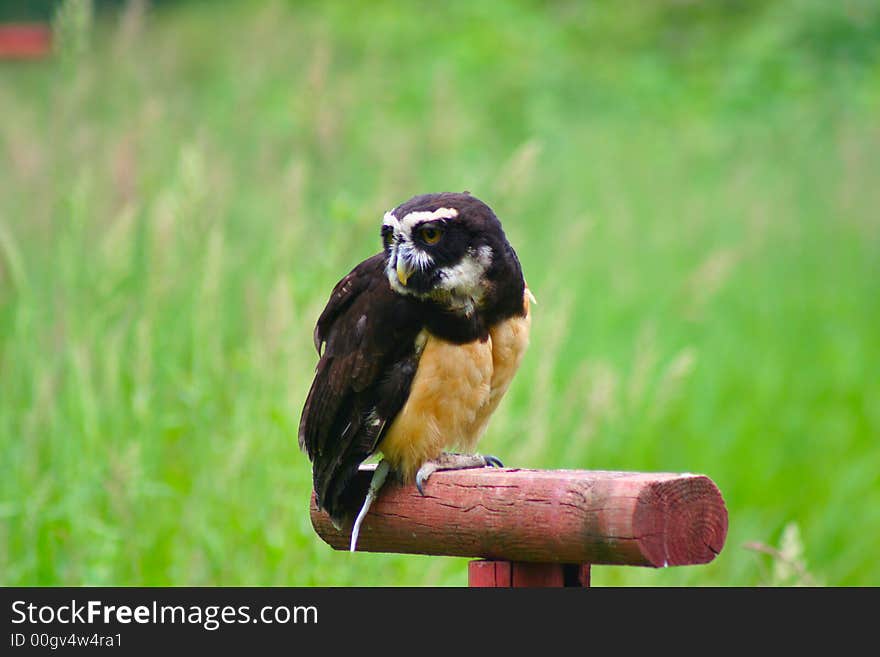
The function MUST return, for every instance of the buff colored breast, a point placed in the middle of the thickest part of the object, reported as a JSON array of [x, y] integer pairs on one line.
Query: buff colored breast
[[454, 392]]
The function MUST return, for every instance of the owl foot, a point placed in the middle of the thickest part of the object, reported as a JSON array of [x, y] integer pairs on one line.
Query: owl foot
[[451, 461]]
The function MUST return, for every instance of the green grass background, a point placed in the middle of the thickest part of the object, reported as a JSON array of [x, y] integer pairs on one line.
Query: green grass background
[[693, 189]]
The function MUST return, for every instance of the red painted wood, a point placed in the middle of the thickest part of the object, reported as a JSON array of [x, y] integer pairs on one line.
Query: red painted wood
[[25, 40], [483, 573], [535, 575], [489, 574], [582, 576], [545, 516]]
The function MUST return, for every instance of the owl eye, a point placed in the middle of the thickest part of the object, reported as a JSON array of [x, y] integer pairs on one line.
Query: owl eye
[[387, 238], [430, 234]]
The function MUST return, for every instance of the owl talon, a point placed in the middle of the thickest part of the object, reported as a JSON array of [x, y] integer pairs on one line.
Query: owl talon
[[493, 461], [450, 461], [422, 475]]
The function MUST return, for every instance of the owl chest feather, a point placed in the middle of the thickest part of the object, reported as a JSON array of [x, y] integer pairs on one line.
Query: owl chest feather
[[453, 394]]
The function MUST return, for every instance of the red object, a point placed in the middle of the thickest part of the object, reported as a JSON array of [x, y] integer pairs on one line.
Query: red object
[[520, 574], [25, 41], [532, 525]]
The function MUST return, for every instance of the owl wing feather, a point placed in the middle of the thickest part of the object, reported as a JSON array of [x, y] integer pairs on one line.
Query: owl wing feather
[[362, 379]]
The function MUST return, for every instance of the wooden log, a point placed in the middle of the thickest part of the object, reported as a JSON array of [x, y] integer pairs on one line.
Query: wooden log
[[544, 516]]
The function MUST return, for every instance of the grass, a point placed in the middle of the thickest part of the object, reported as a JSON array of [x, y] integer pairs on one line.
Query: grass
[[693, 196]]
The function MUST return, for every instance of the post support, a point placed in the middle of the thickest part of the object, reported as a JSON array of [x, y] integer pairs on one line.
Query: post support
[[483, 573]]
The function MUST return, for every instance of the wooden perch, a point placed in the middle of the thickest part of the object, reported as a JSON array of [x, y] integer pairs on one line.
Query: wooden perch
[[544, 516]]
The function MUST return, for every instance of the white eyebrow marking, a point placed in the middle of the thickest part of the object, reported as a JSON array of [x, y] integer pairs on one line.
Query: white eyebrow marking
[[406, 224], [428, 215]]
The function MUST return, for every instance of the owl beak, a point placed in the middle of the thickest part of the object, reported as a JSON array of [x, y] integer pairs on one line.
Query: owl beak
[[404, 271]]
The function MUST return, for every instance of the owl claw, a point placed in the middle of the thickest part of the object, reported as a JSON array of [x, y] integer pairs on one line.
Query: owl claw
[[493, 461], [450, 461], [422, 476]]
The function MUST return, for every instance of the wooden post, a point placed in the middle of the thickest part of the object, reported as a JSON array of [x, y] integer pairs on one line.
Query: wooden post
[[483, 573], [25, 40], [543, 527]]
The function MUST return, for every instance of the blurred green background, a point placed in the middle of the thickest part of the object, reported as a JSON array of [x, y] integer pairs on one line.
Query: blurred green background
[[693, 189]]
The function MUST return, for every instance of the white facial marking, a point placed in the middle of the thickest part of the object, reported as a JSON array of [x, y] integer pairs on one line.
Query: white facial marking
[[404, 248], [463, 286], [415, 256], [404, 225], [414, 218]]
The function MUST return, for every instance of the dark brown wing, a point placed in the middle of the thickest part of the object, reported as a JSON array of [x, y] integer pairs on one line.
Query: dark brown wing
[[362, 379]]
